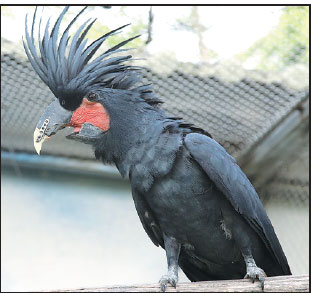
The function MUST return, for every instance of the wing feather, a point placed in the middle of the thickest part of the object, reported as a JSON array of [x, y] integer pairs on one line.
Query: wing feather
[[222, 169]]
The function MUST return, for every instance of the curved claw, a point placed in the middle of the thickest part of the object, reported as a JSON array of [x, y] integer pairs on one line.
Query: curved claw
[[163, 287], [261, 279], [165, 280], [256, 273]]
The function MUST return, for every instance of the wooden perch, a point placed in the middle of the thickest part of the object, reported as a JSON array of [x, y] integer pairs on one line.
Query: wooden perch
[[272, 284]]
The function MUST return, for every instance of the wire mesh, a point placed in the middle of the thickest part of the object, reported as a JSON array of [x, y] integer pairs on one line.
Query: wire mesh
[[237, 114]]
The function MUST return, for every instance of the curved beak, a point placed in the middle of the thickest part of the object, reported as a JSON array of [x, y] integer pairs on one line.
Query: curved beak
[[54, 118]]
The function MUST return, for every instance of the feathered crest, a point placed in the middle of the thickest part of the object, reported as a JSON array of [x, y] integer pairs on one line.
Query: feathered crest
[[66, 67]]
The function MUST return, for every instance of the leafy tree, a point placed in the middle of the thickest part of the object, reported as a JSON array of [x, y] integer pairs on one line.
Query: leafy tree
[[137, 27], [286, 44]]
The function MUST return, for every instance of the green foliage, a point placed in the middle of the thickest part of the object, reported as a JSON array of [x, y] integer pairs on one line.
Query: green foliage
[[5, 11], [99, 29], [137, 27], [286, 44], [9, 11]]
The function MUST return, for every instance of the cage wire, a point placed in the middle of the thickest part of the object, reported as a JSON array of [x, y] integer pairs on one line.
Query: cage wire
[[237, 106]]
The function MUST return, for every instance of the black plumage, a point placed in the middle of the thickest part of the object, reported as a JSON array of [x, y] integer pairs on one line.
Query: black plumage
[[68, 70], [191, 196]]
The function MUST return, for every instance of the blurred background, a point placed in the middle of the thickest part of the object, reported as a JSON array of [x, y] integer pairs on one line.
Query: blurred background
[[241, 73]]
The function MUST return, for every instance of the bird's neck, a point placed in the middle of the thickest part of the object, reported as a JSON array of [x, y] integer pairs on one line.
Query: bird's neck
[[128, 130], [141, 145]]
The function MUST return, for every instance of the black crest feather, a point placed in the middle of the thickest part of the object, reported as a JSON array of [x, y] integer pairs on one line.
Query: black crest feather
[[66, 66]]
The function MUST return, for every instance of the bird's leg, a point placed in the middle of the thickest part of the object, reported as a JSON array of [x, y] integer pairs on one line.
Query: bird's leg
[[172, 248], [243, 241], [253, 272]]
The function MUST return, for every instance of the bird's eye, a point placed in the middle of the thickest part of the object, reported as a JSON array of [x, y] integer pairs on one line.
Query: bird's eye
[[63, 102], [92, 96]]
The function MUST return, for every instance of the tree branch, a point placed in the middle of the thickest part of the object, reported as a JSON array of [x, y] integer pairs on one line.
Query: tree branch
[[150, 26]]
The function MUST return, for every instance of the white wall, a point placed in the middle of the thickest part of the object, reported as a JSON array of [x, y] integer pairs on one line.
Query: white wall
[[63, 231]]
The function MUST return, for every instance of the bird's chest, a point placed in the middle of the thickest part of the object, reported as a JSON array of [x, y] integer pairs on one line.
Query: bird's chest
[[185, 201]]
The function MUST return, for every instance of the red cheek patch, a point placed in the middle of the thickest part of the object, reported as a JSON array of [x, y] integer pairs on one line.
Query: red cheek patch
[[91, 112]]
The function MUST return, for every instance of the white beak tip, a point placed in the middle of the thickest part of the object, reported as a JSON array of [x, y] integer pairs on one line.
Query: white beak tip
[[38, 142]]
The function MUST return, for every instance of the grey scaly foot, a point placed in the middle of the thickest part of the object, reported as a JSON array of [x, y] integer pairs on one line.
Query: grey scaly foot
[[254, 272], [171, 278], [172, 248]]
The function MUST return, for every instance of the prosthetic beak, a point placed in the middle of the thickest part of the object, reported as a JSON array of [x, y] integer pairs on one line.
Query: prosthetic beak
[[54, 118]]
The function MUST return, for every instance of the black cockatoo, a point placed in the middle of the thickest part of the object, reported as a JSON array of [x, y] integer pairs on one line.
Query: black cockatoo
[[191, 197]]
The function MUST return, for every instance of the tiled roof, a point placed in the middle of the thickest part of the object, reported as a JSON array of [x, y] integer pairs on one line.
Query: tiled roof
[[236, 113]]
